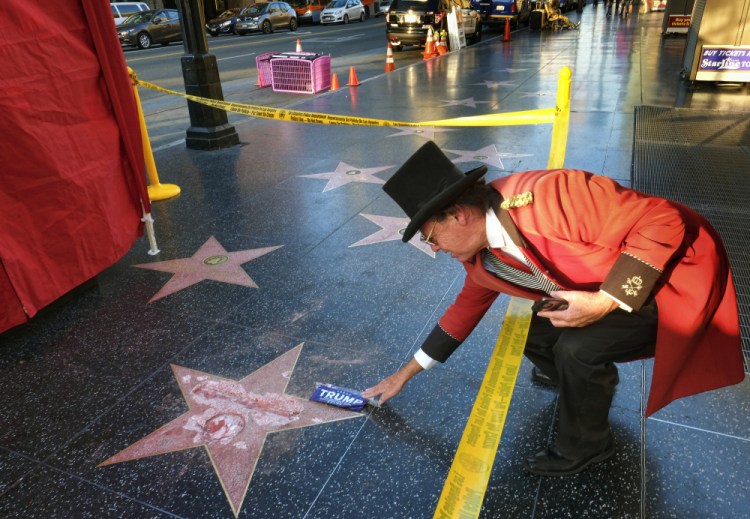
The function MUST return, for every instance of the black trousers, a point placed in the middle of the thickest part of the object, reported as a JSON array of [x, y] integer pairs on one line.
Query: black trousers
[[581, 361]]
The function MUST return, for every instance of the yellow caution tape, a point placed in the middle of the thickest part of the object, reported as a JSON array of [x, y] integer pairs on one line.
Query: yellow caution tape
[[540, 116], [469, 474]]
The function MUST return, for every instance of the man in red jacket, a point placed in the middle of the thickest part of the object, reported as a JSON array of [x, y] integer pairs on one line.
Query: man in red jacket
[[642, 276]]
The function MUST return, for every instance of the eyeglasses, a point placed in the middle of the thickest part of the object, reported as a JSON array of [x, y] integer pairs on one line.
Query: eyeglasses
[[426, 239]]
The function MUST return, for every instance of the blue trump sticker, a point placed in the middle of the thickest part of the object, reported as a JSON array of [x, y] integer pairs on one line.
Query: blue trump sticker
[[339, 396]]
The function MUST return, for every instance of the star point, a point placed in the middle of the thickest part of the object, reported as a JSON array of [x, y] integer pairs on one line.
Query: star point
[[469, 101], [513, 70], [487, 155], [427, 132], [494, 84], [391, 228], [542, 93], [346, 174]]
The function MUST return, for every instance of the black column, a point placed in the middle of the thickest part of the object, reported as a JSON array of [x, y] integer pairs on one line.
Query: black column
[[209, 127]]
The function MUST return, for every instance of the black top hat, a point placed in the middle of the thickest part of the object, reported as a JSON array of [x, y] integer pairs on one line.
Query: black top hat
[[426, 184]]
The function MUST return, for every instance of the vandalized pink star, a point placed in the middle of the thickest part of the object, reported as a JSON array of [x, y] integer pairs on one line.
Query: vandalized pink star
[[487, 155], [212, 262], [391, 228], [231, 420], [345, 173]]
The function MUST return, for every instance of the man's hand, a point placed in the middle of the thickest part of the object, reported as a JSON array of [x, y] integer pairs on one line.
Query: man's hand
[[393, 384], [583, 309]]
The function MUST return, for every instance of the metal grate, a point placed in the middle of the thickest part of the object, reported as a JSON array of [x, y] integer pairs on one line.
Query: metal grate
[[701, 158]]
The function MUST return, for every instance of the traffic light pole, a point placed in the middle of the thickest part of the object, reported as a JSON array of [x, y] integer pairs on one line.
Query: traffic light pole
[[209, 127]]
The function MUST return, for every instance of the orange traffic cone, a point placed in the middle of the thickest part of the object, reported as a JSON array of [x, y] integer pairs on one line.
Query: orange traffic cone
[[299, 46], [442, 48], [334, 82], [506, 35], [429, 48], [390, 66], [352, 78]]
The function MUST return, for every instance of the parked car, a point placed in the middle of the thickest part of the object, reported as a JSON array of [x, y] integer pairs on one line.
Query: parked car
[[342, 11], [384, 6], [121, 10], [496, 12], [225, 22], [267, 17], [308, 11], [408, 21], [149, 27]]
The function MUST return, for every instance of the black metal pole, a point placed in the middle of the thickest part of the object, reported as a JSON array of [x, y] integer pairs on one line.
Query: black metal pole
[[209, 127]]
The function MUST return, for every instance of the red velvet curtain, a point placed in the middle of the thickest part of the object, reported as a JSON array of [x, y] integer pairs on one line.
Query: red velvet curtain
[[72, 178]]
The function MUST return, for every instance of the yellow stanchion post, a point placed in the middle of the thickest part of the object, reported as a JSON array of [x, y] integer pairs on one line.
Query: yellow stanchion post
[[156, 190], [562, 120]]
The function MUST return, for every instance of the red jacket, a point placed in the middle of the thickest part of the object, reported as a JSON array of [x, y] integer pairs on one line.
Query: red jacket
[[589, 233]]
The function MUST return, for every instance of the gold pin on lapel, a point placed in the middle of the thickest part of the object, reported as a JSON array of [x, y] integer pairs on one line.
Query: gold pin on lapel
[[516, 201]]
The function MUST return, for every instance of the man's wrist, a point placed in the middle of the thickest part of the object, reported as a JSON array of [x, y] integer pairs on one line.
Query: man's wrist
[[424, 360], [619, 303]]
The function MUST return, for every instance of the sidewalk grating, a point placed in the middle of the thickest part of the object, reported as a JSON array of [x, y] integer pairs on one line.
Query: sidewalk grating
[[701, 158]]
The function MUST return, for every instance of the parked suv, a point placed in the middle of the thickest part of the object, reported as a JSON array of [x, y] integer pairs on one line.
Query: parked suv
[[266, 18], [407, 21]]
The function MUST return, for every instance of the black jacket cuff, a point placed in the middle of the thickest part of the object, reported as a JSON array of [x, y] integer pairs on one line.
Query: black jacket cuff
[[439, 345]]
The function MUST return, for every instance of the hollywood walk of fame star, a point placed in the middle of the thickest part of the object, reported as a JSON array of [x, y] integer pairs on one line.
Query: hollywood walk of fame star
[[211, 261], [428, 132], [469, 101], [513, 70], [231, 420], [495, 84], [545, 93], [345, 173], [487, 155], [391, 228]]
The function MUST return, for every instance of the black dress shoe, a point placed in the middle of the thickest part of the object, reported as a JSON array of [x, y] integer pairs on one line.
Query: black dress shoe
[[549, 462], [537, 375]]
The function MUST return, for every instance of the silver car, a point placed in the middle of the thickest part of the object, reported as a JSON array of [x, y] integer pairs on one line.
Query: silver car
[[266, 18], [341, 11]]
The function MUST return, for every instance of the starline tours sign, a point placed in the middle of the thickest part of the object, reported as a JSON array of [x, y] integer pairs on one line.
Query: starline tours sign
[[724, 63]]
